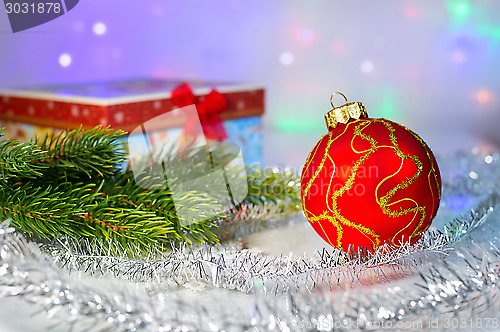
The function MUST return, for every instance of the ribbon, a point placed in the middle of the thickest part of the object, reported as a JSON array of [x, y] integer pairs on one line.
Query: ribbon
[[208, 108]]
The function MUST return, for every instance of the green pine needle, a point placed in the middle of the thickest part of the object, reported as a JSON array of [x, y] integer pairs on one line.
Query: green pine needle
[[96, 152], [20, 159], [73, 185]]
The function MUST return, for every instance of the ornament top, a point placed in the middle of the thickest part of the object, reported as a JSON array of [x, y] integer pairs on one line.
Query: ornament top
[[344, 113]]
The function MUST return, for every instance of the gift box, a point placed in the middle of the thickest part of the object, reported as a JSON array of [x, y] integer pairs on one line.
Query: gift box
[[226, 111]]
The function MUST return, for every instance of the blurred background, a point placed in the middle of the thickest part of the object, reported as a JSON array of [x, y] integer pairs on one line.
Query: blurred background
[[431, 65]]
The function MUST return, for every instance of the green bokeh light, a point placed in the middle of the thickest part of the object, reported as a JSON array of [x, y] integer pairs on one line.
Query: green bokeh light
[[298, 125], [460, 9], [496, 33], [387, 107]]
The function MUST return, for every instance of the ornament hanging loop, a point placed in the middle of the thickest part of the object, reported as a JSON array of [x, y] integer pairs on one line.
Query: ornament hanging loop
[[344, 113], [337, 93]]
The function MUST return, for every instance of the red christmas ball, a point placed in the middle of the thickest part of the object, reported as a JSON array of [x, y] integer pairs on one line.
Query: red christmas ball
[[368, 182]]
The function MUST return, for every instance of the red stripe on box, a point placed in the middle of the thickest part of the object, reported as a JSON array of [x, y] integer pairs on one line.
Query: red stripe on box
[[64, 115]]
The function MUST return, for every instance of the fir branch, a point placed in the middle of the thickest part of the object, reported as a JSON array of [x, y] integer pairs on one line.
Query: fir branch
[[81, 210], [20, 159], [95, 152], [272, 195], [44, 212], [274, 188], [73, 185], [128, 192]]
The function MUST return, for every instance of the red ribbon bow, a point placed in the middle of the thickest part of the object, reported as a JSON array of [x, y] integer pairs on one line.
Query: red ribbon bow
[[208, 108]]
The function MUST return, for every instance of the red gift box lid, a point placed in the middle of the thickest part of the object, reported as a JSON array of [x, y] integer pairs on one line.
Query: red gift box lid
[[121, 104]]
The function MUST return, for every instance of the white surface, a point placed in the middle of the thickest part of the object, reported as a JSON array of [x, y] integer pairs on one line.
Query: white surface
[[17, 315]]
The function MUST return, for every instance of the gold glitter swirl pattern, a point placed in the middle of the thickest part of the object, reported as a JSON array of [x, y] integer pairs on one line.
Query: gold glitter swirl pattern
[[384, 201], [431, 161], [309, 184], [333, 214], [327, 149], [349, 183], [320, 167]]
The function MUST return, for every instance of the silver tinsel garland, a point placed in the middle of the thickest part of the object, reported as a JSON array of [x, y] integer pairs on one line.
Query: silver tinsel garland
[[446, 280]]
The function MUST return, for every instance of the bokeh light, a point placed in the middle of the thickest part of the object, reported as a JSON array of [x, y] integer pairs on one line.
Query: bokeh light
[[297, 125], [411, 11], [387, 108], [484, 96], [495, 33], [460, 9], [367, 66], [286, 58], [305, 35], [65, 60], [99, 28]]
